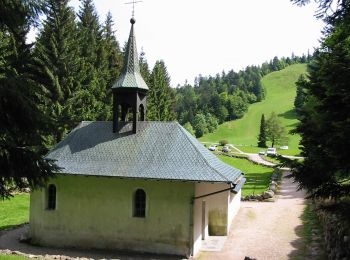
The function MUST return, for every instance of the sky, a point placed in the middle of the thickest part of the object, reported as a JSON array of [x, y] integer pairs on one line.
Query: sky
[[206, 37]]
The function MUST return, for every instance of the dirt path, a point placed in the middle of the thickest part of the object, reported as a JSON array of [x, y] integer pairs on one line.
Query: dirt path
[[257, 158], [265, 230]]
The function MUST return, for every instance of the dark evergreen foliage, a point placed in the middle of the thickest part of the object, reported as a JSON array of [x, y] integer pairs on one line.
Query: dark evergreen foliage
[[301, 93], [22, 124], [57, 51], [93, 54], [325, 120], [262, 134], [161, 97]]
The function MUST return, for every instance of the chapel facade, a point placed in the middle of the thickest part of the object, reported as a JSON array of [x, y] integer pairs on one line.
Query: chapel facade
[[131, 184]]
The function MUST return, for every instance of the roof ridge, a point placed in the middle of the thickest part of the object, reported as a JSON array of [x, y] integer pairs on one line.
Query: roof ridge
[[195, 147]]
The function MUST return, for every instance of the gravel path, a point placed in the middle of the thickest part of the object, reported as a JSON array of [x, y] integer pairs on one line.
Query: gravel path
[[265, 230], [257, 158]]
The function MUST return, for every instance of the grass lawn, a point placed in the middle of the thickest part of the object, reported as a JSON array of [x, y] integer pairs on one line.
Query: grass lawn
[[14, 211], [271, 159], [13, 257], [280, 93], [258, 177]]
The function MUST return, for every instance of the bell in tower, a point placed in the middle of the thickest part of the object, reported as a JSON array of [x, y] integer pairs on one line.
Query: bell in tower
[[130, 91]]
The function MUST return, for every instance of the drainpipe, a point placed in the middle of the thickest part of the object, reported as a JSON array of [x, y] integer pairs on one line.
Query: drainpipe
[[191, 227], [215, 192]]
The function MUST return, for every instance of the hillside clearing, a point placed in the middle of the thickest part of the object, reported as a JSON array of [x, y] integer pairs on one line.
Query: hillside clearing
[[280, 93]]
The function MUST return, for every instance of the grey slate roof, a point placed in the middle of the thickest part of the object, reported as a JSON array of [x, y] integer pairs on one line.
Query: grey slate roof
[[131, 75], [159, 150], [239, 185]]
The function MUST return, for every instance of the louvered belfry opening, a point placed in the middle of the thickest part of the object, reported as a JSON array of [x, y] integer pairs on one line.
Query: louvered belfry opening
[[130, 91]]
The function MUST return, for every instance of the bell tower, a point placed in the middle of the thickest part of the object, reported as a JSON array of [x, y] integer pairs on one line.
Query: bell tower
[[130, 91]]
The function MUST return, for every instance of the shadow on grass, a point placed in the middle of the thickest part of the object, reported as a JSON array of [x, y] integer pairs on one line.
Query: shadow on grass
[[290, 114], [8, 227], [257, 182], [294, 125]]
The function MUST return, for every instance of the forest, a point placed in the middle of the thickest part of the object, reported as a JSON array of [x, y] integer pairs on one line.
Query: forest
[[76, 58]]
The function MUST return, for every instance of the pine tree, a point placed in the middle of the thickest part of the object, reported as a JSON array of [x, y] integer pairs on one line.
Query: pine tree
[[145, 73], [108, 67], [57, 51], [325, 120], [94, 63], [160, 97], [114, 54], [22, 124], [262, 135], [300, 97]]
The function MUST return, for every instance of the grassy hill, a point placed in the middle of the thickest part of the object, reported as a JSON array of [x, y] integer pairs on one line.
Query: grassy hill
[[280, 93]]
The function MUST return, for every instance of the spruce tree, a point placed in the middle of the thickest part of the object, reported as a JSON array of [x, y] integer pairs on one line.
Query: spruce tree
[[325, 120], [144, 68], [160, 97], [262, 134], [300, 97], [22, 124], [57, 51], [114, 55], [94, 63], [110, 65]]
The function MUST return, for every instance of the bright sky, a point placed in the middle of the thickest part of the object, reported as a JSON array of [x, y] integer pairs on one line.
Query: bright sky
[[206, 37]]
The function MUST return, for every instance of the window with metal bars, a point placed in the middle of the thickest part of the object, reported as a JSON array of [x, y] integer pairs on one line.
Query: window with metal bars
[[51, 197], [139, 204]]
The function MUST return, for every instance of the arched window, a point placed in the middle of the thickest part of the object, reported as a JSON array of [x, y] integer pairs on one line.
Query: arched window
[[51, 197], [139, 203]]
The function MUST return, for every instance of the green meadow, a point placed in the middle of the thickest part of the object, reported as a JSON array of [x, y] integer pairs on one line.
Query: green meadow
[[258, 176], [280, 93], [14, 211], [13, 257]]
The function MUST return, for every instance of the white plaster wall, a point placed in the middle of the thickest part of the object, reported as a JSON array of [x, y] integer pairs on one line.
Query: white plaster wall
[[234, 203], [96, 212], [217, 201]]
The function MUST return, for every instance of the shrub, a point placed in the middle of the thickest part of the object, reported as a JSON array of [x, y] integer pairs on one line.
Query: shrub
[[223, 142]]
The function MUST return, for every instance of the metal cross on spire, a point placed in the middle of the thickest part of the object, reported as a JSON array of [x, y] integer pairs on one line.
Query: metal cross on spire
[[133, 6]]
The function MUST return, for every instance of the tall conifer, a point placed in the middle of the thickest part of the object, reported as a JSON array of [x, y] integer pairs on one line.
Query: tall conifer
[[111, 63], [94, 61], [325, 119], [262, 134], [161, 97], [22, 124], [57, 50]]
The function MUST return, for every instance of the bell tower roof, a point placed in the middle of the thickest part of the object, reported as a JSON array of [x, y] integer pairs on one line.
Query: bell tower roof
[[131, 76]]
